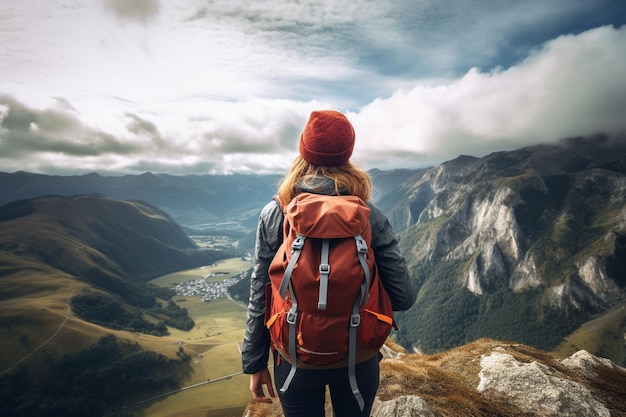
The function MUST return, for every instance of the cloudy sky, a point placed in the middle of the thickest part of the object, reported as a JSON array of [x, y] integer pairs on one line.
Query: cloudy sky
[[222, 86]]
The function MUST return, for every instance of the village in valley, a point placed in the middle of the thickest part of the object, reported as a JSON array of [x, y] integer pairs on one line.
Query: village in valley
[[205, 288]]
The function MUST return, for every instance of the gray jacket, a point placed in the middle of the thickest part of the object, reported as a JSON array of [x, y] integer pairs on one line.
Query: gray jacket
[[391, 267]]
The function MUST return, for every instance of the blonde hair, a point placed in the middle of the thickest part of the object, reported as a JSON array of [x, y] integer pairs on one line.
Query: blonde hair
[[347, 177]]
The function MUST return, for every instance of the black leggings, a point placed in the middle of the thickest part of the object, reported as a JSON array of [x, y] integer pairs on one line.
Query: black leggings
[[307, 391]]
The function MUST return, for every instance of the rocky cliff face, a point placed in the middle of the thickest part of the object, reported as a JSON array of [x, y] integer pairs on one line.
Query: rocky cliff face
[[492, 378], [537, 234]]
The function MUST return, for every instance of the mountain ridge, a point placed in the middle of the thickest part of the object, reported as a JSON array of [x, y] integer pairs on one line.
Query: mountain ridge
[[190, 199], [463, 226], [112, 246], [524, 245], [109, 227], [78, 313]]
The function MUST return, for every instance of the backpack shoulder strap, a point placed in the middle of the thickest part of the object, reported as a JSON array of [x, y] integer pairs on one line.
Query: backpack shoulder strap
[[361, 248], [296, 249], [355, 320], [292, 314]]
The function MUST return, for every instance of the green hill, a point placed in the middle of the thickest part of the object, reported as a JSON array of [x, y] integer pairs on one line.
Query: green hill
[[75, 301]]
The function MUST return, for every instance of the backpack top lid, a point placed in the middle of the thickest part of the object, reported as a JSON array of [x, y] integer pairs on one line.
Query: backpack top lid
[[327, 217]]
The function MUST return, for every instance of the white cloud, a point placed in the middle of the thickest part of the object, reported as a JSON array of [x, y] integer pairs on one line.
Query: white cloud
[[572, 86], [223, 86]]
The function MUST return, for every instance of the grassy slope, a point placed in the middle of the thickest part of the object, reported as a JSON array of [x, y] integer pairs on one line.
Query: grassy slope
[[34, 307], [214, 344], [37, 328], [604, 335]]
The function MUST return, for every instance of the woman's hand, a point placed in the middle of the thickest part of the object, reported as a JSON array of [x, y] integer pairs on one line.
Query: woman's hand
[[257, 381]]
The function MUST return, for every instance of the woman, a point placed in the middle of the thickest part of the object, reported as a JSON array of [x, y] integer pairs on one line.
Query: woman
[[323, 167]]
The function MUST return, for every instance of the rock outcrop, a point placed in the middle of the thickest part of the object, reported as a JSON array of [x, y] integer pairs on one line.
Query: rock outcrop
[[490, 378]]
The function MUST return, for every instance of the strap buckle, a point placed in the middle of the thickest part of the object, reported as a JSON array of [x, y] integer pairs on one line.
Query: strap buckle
[[355, 320], [297, 243], [361, 246], [292, 316]]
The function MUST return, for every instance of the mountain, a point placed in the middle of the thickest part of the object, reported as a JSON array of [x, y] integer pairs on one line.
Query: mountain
[[523, 245], [131, 239], [215, 204], [489, 378], [112, 246], [77, 305], [190, 200]]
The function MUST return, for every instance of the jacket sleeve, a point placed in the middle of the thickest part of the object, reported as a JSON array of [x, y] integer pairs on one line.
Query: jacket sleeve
[[390, 262], [256, 341]]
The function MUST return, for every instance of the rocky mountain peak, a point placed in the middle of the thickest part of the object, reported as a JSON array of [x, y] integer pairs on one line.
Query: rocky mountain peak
[[536, 233]]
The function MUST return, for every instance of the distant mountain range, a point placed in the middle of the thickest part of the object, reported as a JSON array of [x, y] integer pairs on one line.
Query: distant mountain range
[[524, 245], [527, 246], [208, 200]]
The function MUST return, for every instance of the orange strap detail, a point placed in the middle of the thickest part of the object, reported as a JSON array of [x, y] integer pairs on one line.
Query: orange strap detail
[[381, 317], [271, 320]]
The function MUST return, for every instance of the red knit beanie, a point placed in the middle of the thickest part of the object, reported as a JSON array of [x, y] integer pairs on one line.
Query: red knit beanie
[[327, 139]]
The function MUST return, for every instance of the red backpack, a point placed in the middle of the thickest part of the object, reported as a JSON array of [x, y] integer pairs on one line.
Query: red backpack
[[327, 300]]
